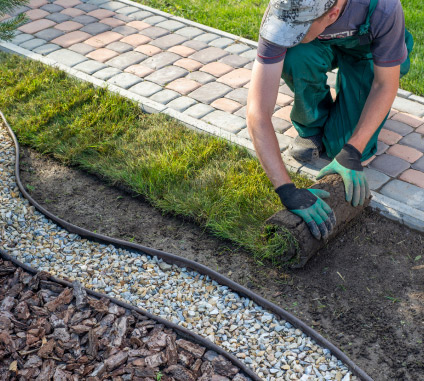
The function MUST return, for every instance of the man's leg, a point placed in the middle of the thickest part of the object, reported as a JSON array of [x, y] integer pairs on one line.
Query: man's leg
[[305, 72], [354, 82]]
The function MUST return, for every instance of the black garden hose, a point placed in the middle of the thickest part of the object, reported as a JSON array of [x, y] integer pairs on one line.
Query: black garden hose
[[174, 259]]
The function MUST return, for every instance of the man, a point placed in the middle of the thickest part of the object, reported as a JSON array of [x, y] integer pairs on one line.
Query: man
[[300, 41]]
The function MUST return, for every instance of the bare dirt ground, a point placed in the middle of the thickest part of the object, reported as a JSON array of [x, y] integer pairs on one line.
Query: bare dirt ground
[[364, 291]]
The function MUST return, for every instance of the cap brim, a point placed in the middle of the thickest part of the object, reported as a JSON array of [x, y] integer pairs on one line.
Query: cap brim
[[284, 33]]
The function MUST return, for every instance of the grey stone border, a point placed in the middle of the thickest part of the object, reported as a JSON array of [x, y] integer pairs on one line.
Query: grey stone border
[[392, 209]]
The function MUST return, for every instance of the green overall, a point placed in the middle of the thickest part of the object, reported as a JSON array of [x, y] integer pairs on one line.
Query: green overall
[[314, 111]]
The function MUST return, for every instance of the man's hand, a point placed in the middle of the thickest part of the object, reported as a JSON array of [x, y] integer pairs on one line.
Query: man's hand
[[348, 165], [307, 203]]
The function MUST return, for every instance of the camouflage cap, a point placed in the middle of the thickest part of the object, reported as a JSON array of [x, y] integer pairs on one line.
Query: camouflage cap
[[288, 21]]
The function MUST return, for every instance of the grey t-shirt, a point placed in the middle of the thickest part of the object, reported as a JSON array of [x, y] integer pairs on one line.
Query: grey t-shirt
[[387, 26]]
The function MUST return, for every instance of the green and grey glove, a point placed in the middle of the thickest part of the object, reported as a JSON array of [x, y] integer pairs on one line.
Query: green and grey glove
[[348, 165], [307, 203]]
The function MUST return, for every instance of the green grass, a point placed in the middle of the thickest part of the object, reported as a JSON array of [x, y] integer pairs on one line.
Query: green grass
[[243, 18], [204, 178]]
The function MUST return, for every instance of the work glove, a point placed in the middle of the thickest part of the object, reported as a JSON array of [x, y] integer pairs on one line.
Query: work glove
[[348, 165], [307, 203]]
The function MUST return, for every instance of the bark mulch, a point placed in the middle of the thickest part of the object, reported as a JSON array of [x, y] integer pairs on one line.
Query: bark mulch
[[51, 332]]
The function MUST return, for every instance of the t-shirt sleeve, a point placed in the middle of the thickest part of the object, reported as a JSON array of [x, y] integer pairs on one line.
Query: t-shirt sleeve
[[388, 46], [267, 52]]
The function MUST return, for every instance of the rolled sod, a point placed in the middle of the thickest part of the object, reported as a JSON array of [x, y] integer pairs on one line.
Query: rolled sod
[[297, 255]]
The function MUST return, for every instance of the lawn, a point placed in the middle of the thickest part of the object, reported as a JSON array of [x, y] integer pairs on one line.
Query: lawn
[[206, 179], [243, 18]]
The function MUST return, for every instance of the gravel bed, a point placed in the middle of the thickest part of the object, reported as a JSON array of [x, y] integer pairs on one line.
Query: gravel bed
[[271, 347], [48, 331]]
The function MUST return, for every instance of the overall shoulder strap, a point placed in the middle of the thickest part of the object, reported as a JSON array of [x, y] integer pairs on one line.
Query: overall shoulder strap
[[365, 27], [364, 34]]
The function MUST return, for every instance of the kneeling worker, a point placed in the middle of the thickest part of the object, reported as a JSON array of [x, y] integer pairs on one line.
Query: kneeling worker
[[300, 41]]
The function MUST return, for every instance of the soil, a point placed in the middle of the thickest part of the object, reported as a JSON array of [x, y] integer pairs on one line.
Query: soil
[[364, 291]]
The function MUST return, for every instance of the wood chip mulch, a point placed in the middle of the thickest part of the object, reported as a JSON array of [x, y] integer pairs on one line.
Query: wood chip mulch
[[50, 332]]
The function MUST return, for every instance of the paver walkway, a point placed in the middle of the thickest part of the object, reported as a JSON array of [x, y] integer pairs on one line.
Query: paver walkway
[[201, 76]]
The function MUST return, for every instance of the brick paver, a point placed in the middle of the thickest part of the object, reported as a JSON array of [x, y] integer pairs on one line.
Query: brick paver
[[90, 66], [37, 3], [208, 55], [167, 75], [375, 179], [225, 121], [161, 60], [182, 103], [103, 39], [291, 132], [122, 61], [68, 26], [200, 77], [96, 28], [238, 95], [146, 88], [164, 96], [71, 38], [36, 14], [234, 60], [73, 12], [169, 41], [236, 78], [101, 14], [404, 192], [205, 75], [139, 70], [85, 19], [412, 120], [199, 110], [171, 25], [58, 17], [102, 54], [67, 57], [154, 32], [284, 113], [414, 177], [217, 69], [389, 137], [183, 85], [390, 165], [404, 152], [36, 26], [107, 73], [210, 92], [139, 25], [188, 64], [46, 49], [124, 80], [398, 127], [419, 165], [67, 3], [420, 130], [120, 47], [226, 105], [148, 50], [136, 40], [112, 22], [414, 140], [48, 34]]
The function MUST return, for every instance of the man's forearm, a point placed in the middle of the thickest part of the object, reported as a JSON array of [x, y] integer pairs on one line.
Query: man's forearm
[[268, 151], [378, 104]]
